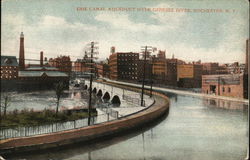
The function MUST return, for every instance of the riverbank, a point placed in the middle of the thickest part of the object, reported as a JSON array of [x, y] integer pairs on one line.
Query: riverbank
[[185, 92], [57, 139]]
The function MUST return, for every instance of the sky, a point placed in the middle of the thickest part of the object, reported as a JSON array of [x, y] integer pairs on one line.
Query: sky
[[57, 27]]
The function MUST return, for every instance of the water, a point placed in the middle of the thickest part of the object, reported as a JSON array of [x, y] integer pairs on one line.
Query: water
[[195, 129]]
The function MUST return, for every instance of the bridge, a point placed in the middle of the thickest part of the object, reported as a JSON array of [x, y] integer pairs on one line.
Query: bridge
[[117, 95]]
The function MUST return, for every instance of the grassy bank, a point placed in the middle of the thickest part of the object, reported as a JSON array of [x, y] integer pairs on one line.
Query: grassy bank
[[30, 117]]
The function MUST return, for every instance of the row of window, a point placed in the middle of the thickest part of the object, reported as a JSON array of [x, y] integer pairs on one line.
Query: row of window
[[128, 77], [128, 73], [8, 67], [130, 55], [8, 77], [127, 60], [2, 72], [130, 64], [228, 89]]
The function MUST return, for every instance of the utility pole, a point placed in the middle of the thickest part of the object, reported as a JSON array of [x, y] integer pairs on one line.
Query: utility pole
[[219, 85], [151, 76], [92, 52], [146, 50]]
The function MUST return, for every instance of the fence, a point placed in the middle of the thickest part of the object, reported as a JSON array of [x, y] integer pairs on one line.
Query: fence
[[133, 100], [26, 131]]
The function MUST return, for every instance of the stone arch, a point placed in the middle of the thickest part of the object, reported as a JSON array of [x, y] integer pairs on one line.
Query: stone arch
[[99, 93], [106, 96], [116, 100], [94, 90]]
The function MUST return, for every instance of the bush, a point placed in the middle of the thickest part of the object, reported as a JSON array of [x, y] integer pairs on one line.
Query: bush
[[29, 117]]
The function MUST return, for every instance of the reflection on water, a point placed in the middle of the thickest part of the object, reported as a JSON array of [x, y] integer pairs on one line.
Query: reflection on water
[[195, 129], [224, 104]]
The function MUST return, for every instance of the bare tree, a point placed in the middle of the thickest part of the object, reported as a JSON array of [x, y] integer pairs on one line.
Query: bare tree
[[59, 88], [5, 102]]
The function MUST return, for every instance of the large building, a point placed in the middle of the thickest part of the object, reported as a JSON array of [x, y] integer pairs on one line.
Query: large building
[[159, 67], [63, 63], [9, 67], [148, 71], [171, 77], [103, 69], [189, 75], [210, 68], [123, 66], [231, 85]]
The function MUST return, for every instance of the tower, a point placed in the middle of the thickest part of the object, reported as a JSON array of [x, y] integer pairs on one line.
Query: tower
[[112, 50], [21, 53]]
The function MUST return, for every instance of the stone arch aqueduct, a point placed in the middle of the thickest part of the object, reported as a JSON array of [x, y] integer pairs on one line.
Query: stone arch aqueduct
[[115, 94]]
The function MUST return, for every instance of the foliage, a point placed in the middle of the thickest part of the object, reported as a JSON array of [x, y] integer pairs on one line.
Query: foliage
[[29, 117]]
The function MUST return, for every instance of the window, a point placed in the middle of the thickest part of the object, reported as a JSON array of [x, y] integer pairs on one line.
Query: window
[[223, 89], [229, 89]]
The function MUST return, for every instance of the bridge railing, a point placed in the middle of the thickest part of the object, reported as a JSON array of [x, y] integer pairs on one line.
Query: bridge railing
[[133, 100]]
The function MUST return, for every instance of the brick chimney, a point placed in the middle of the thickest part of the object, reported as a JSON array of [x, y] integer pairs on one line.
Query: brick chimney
[[41, 58], [21, 53]]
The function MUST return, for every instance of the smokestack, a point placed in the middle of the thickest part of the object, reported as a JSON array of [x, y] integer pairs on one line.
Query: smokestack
[[21, 53], [112, 50], [41, 58]]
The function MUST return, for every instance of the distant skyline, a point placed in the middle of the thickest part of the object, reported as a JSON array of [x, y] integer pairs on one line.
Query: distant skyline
[[57, 28]]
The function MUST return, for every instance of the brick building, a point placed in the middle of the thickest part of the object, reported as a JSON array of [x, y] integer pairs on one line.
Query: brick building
[[103, 69], [63, 63], [148, 70], [189, 75], [231, 85], [123, 66], [9, 67], [80, 66], [171, 77], [210, 68], [159, 67]]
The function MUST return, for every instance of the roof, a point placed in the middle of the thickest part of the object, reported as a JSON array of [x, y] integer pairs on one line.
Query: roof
[[9, 61], [222, 78], [41, 73], [40, 68]]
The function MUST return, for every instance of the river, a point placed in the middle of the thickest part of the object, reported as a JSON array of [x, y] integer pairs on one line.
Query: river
[[195, 129]]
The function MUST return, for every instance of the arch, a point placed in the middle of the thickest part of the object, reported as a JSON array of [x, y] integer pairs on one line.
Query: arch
[[99, 93], [106, 96], [94, 90], [116, 100]]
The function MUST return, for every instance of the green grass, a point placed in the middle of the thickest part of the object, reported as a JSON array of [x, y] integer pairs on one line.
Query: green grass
[[31, 118]]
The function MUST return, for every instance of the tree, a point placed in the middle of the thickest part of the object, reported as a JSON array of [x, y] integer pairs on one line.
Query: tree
[[5, 103], [59, 88]]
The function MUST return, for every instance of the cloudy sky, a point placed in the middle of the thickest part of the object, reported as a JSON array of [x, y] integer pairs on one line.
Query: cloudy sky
[[57, 28]]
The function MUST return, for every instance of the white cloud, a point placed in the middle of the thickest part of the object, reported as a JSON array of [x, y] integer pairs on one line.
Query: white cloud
[[49, 21], [122, 21], [170, 20]]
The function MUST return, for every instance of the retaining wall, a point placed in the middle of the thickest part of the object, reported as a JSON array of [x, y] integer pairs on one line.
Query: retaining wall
[[45, 141]]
